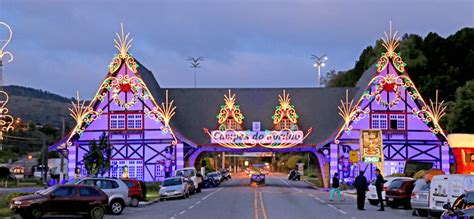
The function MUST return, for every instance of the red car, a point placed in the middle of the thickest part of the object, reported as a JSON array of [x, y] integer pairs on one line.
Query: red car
[[399, 193], [136, 191], [65, 199]]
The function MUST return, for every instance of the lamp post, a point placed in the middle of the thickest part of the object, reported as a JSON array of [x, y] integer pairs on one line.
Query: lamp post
[[195, 63], [319, 61]]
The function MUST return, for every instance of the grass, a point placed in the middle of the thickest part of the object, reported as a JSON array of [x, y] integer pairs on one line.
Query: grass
[[5, 212], [150, 195]]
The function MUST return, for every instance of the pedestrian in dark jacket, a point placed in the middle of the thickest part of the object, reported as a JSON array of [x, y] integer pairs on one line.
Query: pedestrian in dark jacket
[[361, 186], [335, 188], [379, 181]]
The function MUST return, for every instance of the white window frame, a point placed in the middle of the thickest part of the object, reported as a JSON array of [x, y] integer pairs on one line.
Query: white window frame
[[117, 121], [135, 168], [400, 120], [379, 121], [134, 121]]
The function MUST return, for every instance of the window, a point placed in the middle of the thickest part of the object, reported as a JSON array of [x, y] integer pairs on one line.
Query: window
[[159, 170], [106, 184], [231, 124], [117, 121], [397, 121], [135, 168], [134, 121], [65, 192], [379, 121], [285, 124], [88, 192]]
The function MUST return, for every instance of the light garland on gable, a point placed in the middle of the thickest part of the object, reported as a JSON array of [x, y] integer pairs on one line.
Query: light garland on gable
[[125, 84], [391, 42], [432, 114], [285, 110], [164, 114], [349, 114], [230, 110], [123, 44]]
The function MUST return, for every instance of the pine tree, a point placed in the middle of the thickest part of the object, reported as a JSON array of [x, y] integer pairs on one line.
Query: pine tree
[[97, 160]]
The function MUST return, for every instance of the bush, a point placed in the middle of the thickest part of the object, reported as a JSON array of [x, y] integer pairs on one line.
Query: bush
[[153, 186], [397, 175], [420, 174], [7, 199]]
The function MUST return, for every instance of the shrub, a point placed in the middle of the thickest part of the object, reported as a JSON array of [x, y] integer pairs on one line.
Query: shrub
[[7, 199], [155, 186], [420, 174]]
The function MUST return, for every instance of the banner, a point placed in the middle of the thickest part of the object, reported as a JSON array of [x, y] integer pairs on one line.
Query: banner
[[262, 137], [371, 146]]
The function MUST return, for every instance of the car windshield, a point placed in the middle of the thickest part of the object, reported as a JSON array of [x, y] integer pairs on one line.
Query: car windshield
[[48, 190], [421, 185], [469, 198], [185, 173], [130, 184], [395, 184], [172, 182], [72, 181]]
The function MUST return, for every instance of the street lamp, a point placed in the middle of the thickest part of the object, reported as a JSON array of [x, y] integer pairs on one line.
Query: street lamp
[[195, 63], [319, 61]]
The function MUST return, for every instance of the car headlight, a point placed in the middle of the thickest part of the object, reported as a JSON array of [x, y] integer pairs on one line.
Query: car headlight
[[17, 202]]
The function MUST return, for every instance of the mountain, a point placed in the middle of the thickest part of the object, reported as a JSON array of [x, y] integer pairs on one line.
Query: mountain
[[38, 106]]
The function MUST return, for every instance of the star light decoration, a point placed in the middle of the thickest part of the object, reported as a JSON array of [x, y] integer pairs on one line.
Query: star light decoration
[[6, 120], [350, 114]]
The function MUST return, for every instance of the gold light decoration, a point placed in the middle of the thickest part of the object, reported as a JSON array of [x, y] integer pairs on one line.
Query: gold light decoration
[[82, 115], [77, 109], [123, 43], [5, 43], [432, 114], [349, 114], [6, 120], [285, 110], [164, 114], [391, 43], [230, 110]]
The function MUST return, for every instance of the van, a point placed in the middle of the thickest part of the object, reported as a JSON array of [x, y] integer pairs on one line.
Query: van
[[190, 173], [445, 189]]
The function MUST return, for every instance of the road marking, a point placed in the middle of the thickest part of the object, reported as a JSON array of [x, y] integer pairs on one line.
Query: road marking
[[198, 202], [342, 211], [182, 212], [212, 193], [255, 206], [190, 207], [299, 190], [264, 212]]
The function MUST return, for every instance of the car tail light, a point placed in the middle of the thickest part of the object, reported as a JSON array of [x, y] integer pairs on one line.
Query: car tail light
[[413, 195], [385, 188], [129, 193]]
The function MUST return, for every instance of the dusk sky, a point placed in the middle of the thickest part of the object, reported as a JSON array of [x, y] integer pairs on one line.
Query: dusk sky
[[64, 46]]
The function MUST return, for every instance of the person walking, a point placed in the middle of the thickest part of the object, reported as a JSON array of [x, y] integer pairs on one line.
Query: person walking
[[361, 186], [335, 188], [379, 181]]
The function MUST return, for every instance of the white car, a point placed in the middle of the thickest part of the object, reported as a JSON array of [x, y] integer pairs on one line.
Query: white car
[[174, 187], [372, 194], [190, 173], [116, 189], [445, 189]]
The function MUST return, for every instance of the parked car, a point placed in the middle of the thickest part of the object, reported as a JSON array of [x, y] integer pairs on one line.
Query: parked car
[[216, 177], [174, 187], [65, 199], [445, 189], [190, 172], [135, 191], [191, 186], [225, 174], [419, 197], [463, 207], [116, 189], [399, 193], [372, 194]]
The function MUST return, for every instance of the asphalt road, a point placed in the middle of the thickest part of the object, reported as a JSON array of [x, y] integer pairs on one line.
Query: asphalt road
[[279, 198]]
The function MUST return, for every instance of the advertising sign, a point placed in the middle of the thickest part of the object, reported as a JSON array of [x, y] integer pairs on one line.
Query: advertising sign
[[371, 147], [354, 156], [262, 137]]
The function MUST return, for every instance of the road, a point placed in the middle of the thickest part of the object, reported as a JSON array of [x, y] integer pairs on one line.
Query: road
[[279, 198]]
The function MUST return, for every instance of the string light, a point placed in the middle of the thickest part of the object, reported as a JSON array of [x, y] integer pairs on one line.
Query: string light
[[390, 42], [230, 110], [285, 110], [349, 114], [164, 114], [6, 120], [5, 43]]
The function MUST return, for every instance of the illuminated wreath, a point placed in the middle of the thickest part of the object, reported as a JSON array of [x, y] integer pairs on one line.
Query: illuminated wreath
[[125, 85]]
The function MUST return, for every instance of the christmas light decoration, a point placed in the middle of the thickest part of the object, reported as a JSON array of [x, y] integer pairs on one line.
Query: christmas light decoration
[[123, 43], [5, 43], [6, 120], [432, 115], [285, 110], [164, 114], [230, 110], [82, 115], [125, 84], [349, 114], [391, 42]]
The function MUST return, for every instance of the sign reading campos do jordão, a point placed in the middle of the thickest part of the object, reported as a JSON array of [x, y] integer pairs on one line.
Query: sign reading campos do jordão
[[371, 147], [262, 137]]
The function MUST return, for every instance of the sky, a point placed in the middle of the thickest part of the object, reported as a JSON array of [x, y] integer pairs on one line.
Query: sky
[[64, 46]]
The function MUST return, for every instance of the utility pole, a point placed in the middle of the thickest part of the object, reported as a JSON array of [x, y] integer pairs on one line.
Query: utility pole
[[45, 162], [223, 160], [195, 64], [61, 168]]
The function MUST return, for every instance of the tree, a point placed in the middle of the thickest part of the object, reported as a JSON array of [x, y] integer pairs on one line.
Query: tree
[[97, 160], [461, 117]]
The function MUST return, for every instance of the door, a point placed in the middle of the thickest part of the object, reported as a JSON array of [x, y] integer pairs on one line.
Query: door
[[87, 198], [62, 200]]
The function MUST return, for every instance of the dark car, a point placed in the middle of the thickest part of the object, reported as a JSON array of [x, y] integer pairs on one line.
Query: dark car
[[399, 193], [257, 177], [135, 191], [463, 207], [65, 199]]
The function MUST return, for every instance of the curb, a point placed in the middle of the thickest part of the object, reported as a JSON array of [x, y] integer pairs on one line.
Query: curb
[[149, 202], [310, 184]]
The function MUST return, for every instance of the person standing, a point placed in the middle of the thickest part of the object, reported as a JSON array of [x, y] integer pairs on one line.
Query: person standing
[[361, 186], [379, 181], [335, 188]]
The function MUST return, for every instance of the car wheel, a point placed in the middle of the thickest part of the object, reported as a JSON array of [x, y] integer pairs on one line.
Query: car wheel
[[134, 202], [422, 212], [97, 212], [116, 207], [392, 205], [35, 212], [162, 199], [198, 190], [374, 202]]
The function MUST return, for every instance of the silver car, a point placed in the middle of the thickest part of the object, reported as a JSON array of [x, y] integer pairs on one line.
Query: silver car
[[174, 187], [419, 197], [116, 189]]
